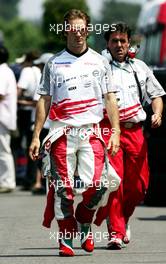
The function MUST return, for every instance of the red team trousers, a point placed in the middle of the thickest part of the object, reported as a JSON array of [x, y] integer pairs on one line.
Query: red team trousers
[[131, 164]]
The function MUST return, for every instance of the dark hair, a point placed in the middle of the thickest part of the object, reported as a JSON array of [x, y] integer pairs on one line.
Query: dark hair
[[4, 54], [30, 56], [76, 13], [118, 27]]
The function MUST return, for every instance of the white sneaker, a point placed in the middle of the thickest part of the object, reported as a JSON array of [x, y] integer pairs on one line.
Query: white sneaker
[[115, 243], [127, 237]]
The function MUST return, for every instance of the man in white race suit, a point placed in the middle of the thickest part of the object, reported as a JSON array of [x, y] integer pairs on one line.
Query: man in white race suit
[[71, 89]]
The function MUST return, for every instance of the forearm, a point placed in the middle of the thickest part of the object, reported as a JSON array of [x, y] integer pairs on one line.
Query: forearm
[[113, 115], [42, 109], [157, 105], [112, 110], [27, 103]]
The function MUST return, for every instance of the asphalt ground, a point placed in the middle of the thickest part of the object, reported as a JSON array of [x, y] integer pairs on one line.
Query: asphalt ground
[[24, 240]]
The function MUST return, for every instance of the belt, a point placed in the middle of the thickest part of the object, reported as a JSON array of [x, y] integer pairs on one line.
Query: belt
[[129, 125]]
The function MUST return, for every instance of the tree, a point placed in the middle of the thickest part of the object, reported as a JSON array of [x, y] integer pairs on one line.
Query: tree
[[52, 21], [17, 35], [117, 11], [9, 9], [21, 36]]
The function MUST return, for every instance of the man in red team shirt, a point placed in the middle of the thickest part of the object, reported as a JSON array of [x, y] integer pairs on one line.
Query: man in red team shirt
[[134, 83]]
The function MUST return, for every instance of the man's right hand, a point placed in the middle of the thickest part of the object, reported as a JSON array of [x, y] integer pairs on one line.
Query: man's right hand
[[34, 149]]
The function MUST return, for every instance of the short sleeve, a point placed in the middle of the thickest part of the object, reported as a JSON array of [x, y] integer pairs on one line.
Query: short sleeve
[[36, 96], [23, 81], [107, 84], [153, 87], [46, 81], [4, 86]]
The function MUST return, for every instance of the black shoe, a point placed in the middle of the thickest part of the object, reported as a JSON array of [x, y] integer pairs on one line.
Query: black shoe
[[25, 188], [38, 191]]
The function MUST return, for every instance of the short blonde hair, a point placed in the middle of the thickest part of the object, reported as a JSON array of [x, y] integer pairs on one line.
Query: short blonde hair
[[76, 13]]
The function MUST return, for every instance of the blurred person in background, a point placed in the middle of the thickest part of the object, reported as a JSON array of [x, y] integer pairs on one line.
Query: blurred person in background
[[20, 158], [8, 107], [27, 83], [134, 83], [39, 186], [17, 66]]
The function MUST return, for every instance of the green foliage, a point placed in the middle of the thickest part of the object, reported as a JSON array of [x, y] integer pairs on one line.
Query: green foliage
[[117, 11], [53, 14], [8, 9], [120, 11], [21, 36]]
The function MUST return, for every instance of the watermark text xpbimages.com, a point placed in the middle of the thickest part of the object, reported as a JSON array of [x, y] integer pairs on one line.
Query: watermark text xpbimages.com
[[98, 28]]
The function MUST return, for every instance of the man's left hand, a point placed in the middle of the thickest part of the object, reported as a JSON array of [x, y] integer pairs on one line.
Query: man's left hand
[[156, 120], [114, 143]]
